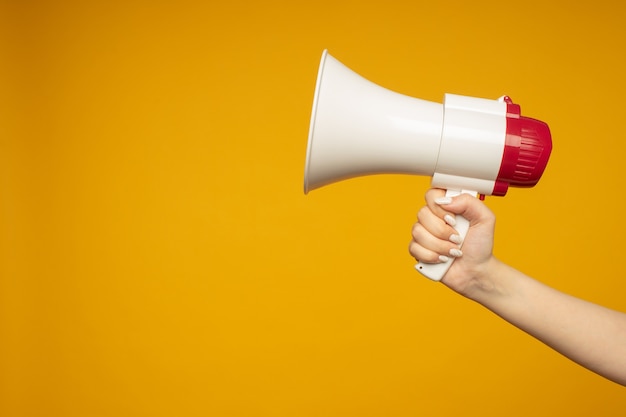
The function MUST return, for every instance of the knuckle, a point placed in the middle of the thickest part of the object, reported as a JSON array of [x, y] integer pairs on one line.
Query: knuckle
[[416, 230], [422, 213]]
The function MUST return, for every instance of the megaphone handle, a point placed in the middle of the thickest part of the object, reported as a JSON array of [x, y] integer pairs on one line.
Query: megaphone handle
[[437, 271]]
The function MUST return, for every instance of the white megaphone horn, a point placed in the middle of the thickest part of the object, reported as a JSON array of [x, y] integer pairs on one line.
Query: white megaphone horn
[[467, 144]]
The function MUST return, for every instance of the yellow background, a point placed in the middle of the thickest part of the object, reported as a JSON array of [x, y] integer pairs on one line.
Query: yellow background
[[158, 256]]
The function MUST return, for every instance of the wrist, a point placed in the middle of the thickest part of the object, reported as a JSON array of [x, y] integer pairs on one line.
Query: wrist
[[484, 280]]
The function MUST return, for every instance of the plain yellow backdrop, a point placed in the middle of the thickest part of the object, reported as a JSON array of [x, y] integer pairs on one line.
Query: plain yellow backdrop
[[159, 258]]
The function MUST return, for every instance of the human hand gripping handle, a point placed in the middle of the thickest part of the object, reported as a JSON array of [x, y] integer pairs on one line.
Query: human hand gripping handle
[[436, 271]]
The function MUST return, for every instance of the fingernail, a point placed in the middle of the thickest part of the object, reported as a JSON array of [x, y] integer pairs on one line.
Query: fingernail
[[456, 239], [456, 253], [443, 200], [443, 258], [450, 220]]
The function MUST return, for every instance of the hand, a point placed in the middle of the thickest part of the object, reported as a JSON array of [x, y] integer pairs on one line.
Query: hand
[[434, 239]]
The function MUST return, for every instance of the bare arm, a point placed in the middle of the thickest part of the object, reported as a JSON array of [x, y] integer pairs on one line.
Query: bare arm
[[589, 334]]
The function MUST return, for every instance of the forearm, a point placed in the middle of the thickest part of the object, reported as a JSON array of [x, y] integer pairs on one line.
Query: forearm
[[588, 334]]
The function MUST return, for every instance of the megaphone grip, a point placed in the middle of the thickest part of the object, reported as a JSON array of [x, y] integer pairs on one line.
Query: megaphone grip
[[437, 271]]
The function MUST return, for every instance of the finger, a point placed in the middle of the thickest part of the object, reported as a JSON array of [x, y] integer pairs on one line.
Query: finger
[[438, 227], [427, 247], [421, 254], [469, 207], [433, 198]]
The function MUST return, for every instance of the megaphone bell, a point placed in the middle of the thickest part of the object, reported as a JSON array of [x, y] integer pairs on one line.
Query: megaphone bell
[[467, 144]]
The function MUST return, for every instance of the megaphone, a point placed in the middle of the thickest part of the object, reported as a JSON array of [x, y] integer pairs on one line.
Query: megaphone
[[467, 144]]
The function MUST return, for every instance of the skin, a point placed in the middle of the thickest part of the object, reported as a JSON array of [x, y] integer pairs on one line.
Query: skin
[[587, 333]]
